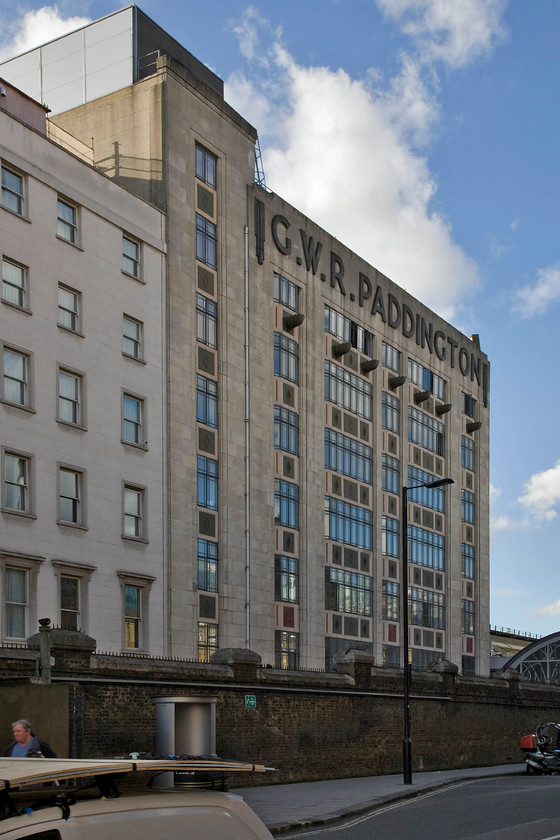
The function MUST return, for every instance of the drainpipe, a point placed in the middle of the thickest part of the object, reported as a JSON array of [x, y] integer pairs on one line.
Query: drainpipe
[[247, 485]]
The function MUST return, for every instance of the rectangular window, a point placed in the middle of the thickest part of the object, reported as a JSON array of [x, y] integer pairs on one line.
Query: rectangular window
[[286, 503], [286, 430], [348, 523], [430, 497], [390, 536], [390, 474], [133, 410], [390, 357], [67, 221], [348, 456], [131, 257], [69, 308], [467, 507], [467, 453], [16, 377], [347, 330], [426, 431], [467, 561], [133, 512], [14, 283], [286, 358], [390, 412], [70, 398], [69, 602], [206, 321], [70, 491], [468, 405], [426, 379], [132, 337], [426, 548], [207, 401], [12, 191], [467, 617], [207, 566], [207, 482], [346, 389], [390, 601], [286, 579], [349, 592], [205, 165], [427, 608], [16, 483], [207, 640], [132, 616], [286, 292], [287, 650], [17, 596], [206, 242]]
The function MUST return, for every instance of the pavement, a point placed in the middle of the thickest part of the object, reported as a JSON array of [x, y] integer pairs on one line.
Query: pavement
[[285, 807]]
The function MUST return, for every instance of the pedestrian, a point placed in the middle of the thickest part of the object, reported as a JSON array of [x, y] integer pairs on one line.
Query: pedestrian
[[26, 744]]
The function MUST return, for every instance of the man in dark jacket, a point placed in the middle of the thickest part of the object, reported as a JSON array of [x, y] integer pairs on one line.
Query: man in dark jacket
[[26, 744]]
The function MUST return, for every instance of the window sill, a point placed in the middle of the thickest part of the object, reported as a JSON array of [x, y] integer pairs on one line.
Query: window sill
[[138, 359], [17, 307], [142, 446], [69, 242], [77, 333], [18, 405], [26, 514], [76, 525], [17, 215], [141, 540], [67, 423], [133, 277]]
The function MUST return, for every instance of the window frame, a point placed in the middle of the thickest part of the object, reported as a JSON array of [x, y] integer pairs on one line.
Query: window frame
[[29, 488], [137, 342], [286, 649], [206, 242], [203, 158], [206, 401], [286, 579], [208, 555], [206, 321], [207, 482], [131, 265], [21, 199], [143, 584], [204, 647], [31, 565], [23, 304], [79, 500], [139, 424], [75, 314], [78, 402], [25, 383], [81, 572], [70, 226], [140, 517]]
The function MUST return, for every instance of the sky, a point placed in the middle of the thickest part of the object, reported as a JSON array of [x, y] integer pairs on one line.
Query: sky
[[424, 135]]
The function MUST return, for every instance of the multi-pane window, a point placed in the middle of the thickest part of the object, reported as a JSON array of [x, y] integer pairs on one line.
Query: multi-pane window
[[207, 640], [205, 166], [16, 482], [286, 503], [426, 431], [132, 616], [207, 565], [348, 456], [467, 453], [132, 337], [467, 561], [390, 600], [390, 412], [468, 405], [426, 548], [70, 386], [70, 507], [286, 430], [390, 536], [430, 497], [426, 379], [347, 330], [348, 523], [390, 357], [286, 579], [344, 388], [206, 239], [14, 283], [133, 512], [12, 190], [131, 257], [68, 308], [67, 221], [286, 649], [15, 387], [390, 474], [207, 401], [427, 608], [69, 602], [132, 419], [206, 320], [286, 292], [286, 358], [349, 592], [467, 617], [467, 506], [207, 482], [16, 586]]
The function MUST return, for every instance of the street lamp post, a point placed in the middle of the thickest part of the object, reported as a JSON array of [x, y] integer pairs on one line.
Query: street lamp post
[[407, 753]]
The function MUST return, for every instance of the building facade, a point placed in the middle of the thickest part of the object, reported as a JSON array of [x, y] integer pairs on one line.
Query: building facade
[[303, 389]]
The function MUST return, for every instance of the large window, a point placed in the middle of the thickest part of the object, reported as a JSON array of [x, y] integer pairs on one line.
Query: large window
[[70, 398], [132, 337], [69, 602], [286, 430], [468, 405], [207, 565], [69, 312], [286, 504], [427, 608], [286, 292], [390, 474], [67, 221], [207, 482], [286, 358], [132, 616], [131, 257], [467, 561], [347, 330], [207, 640], [207, 401], [348, 456], [467, 617], [390, 601], [133, 419], [286, 579], [134, 514], [467, 453], [16, 495], [349, 592], [426, 431], [12, 191], [390, 357], [206, 320], [14, 284], [348, 523], [467, 507], [70, 496], [390, 412], [426, 548], [346, 389], [426, 379], [287, 649], [205, 166], [15, 377], [390, 536], [16, 586], [206, 242], [430, 497]]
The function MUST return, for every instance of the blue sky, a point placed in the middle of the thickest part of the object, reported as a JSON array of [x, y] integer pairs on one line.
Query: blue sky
[[424, 135]]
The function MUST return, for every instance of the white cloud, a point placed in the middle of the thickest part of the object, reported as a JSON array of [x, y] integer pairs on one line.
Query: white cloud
[[35, 28], [536, 299], [542, 494], [547, 609]]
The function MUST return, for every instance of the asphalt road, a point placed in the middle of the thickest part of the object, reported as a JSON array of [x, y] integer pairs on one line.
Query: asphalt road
[[510, 808]]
